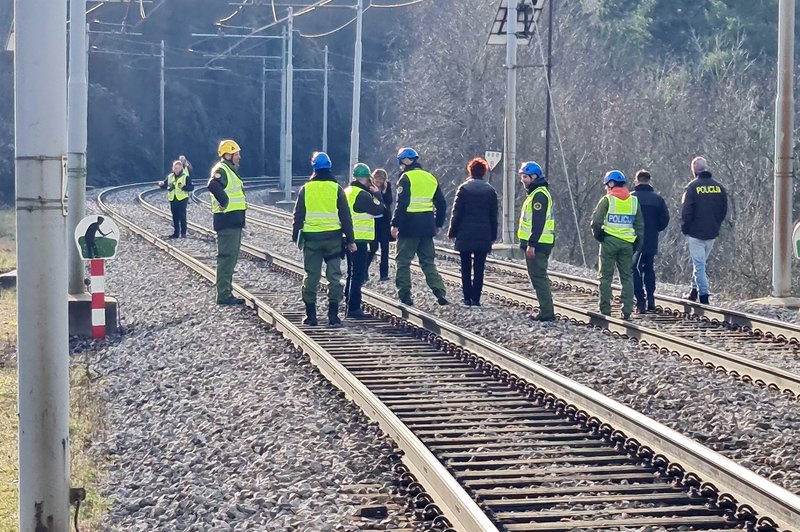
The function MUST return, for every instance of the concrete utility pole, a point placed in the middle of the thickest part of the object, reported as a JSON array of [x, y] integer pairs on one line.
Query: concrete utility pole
[[77, 123], [287, 184], [325, 104], [264, 114], [356, 120], [40, 105], [784, 171], [283, 107], [510, 156], [550, 15], [162, 109]]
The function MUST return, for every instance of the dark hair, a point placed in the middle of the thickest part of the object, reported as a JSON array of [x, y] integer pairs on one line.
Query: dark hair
[[643, 176], [477, 167]]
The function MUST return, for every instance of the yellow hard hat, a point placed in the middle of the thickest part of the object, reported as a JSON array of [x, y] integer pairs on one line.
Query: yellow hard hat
[[228, 146]]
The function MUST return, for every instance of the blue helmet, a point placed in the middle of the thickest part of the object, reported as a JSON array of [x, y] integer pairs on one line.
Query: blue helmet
[[320, 160], [530, 168], [406, 153], [614, 175]]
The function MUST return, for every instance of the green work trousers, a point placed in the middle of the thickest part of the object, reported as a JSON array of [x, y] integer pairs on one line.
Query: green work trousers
[[229, 240], [315, 252], [616, 252], [537, 271], [407, 247]]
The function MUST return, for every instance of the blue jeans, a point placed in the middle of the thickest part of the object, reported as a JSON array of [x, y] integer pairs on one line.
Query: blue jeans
[[699, 251]]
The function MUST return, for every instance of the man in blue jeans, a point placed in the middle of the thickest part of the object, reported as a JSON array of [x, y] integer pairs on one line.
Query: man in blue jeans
[[704, 207]]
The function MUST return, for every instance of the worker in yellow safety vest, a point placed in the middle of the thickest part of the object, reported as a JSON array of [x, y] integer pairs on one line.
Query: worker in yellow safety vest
[[178, 186]]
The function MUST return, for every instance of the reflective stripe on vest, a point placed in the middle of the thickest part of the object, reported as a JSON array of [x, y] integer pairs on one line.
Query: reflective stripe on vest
[[363, 223], [422, 186], [177, 184], [620, 217], [524, 231], [322, 212], [233, 189]]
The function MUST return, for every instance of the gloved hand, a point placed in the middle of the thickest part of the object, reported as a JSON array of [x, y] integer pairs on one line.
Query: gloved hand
[[600, 235], [170, 188]]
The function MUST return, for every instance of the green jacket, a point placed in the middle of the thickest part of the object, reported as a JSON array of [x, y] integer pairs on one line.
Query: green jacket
[[599, 219]]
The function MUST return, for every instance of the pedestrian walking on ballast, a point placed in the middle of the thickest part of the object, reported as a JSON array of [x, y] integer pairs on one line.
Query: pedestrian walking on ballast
[[537, 234], [618, 225], [178, 186], [364, 206], [656, 219], [229, 205], [704, 207], [420, 214], [383, 234], [321, 219], [473, 228]]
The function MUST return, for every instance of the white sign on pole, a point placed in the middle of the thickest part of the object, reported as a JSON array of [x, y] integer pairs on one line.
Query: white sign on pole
[[493, 157], [796, 240], [97, 237]]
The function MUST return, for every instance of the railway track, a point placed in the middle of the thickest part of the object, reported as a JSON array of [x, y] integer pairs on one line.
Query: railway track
[[749, 347], [499, 442]]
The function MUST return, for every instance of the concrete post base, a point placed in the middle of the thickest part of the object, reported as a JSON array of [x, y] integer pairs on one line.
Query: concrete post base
[[286, 205], [508, 251], [80, 315], [792, 303]]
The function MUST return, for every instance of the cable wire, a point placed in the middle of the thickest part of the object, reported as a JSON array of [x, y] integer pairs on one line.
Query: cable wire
[[561, 146], [343, 26], [226, 19], [141, 10], [274, 14], [391, 6]]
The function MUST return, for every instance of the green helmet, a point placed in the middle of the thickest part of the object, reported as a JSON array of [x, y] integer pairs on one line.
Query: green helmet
[[361, 170]]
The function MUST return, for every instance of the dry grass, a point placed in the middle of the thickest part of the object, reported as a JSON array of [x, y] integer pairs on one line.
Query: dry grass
[[8, 257]]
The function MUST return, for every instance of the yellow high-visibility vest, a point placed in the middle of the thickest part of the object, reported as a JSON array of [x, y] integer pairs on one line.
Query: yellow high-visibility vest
[[177, 183], [422, 187], [322, 212], [524, 230], [233, 189], [363, 223], [620, 217]]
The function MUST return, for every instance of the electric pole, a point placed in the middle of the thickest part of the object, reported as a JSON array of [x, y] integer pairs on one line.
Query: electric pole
[[510, 156], [287, 185], [325, 104], [40, 127], [354, 128], [162, 109]]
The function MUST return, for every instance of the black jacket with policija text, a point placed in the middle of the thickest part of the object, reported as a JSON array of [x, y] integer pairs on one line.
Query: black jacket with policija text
[[705, 205]]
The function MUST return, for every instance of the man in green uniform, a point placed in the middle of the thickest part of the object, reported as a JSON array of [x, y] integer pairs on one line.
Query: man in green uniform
[[618, 224], [414, 225], [536, 233], [228, 204], [321, 218], [363, 209]]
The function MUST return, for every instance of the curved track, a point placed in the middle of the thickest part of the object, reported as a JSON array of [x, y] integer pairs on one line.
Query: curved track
[[526, 447]]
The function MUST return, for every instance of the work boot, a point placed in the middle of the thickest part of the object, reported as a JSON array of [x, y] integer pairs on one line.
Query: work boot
[[640, 310], [704, 299], [692, 295], [231, 300], [333, 316], [173, 235], [357, 314], [311, 314], [441, 300], [406, 300]]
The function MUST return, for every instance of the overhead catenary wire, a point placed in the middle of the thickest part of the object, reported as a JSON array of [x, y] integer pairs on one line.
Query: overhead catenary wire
[[391, 6], [343, 26]]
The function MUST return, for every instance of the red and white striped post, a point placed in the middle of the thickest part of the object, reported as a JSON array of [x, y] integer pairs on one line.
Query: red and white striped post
[[98, 289]]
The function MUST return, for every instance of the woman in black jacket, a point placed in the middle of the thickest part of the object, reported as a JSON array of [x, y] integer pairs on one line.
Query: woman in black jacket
[[382, 228], [473, 226]]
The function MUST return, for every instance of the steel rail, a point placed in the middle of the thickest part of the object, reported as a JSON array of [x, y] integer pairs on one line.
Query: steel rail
[[649, 437], [456, 503], [736, 365]]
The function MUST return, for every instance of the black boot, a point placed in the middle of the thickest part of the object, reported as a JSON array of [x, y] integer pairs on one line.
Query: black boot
[[692, 295], [311, 314], [704, 299], [333, 316]]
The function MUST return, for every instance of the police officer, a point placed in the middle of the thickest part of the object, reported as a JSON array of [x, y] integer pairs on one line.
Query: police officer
[[321, 216], [618, 225], [414, 225], [536, 233], [178, 186], [228, 204], [364, 206]]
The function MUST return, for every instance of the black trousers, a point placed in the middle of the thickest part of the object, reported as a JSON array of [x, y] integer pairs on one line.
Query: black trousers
[[644, 280], [356, 275], [382, 242], [178, 209], [472, 284]]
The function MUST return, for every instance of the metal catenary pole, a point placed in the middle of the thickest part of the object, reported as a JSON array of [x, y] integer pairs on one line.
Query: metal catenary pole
[[549, 84], [78, 95], [40, 104], [510, 157], [264, 114], [356, 117], [283, 107], [287, 184], [162, 111], [325, 105], [784, 170]]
